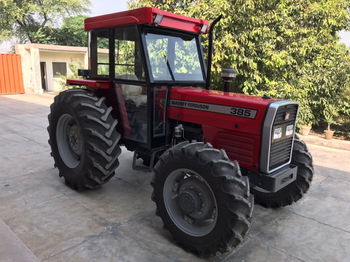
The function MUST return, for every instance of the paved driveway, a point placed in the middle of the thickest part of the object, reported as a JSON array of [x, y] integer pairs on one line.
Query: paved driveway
[[42, 219]]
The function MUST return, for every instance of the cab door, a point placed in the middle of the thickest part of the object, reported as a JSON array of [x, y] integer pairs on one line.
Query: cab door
[[130, 82], [117, 54]]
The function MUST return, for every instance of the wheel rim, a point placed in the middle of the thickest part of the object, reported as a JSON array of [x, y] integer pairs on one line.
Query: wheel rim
[[190, 202], [69, 140]]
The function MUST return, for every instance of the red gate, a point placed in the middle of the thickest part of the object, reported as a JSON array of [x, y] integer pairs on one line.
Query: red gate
[[11, 80]]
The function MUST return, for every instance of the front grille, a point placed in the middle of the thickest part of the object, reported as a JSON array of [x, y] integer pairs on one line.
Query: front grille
[[280, 150], [292, 109]]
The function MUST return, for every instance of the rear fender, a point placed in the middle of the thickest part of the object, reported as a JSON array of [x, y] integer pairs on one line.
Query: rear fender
[[90, 84], [105, 89]]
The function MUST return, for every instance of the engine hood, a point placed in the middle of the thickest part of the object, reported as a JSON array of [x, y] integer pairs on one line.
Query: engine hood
[[218, 97], [224, 110]]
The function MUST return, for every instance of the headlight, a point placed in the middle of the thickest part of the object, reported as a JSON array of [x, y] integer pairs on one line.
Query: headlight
[[289, 130], [277, 133]]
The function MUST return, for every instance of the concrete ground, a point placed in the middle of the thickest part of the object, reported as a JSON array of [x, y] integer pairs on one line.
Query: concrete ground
[[43, 220], [321, 141]]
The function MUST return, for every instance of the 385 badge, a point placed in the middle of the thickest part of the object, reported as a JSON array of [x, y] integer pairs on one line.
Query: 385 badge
[[226, 110]]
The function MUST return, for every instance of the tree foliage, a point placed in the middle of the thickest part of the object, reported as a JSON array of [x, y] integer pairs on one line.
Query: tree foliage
[[284, 48], [36, 20], [71, 33]]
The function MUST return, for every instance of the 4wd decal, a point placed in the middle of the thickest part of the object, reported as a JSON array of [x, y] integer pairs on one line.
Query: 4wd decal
[[227, 110]]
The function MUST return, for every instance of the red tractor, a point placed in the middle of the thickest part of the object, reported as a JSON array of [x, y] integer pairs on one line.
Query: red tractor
[[147, 88]]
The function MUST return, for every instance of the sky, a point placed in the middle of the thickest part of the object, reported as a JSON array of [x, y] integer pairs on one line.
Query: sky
[[345, 37], [102, 7]]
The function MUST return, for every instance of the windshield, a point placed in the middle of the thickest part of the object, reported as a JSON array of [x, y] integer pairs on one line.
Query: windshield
[[174, 58]]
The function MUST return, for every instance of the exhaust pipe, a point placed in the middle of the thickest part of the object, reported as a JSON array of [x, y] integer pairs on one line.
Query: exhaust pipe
[[210, 50]]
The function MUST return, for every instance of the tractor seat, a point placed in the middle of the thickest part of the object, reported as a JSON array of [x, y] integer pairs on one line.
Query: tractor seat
[[133, 92], [139, 100]]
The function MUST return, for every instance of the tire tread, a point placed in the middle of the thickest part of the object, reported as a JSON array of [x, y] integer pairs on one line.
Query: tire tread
[[230, 184], [101, 137]]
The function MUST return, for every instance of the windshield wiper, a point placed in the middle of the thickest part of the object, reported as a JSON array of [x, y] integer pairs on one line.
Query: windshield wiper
[[169, 68]]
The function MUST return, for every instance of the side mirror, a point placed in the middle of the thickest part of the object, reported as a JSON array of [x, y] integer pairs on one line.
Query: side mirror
[[83, 72]]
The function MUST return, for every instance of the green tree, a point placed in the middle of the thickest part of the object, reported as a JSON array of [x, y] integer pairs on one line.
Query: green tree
[[71, 33], [36, 20], [278, 47], [329, 75]]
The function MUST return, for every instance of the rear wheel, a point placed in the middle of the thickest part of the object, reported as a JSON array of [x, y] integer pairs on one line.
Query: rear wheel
[[202, 198], [295, 190], [83, 138]]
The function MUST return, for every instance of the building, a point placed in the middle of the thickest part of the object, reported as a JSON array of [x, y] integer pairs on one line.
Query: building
[[44, 66]]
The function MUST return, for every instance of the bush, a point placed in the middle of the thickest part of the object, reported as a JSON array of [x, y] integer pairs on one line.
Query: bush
[[73, 75]]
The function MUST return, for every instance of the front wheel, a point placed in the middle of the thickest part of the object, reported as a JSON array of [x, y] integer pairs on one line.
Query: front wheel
[[202, 198], [295, 190]]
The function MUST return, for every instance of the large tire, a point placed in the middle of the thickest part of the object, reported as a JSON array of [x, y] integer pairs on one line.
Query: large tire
[[295, 190], [227, 223], [83, 138]]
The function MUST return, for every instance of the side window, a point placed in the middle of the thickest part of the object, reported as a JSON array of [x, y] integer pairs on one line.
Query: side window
[[99, 52], [128, 61], [103, 53], [124, 58]]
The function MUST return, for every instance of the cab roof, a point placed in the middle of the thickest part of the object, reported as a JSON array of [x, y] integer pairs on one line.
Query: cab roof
[[150, 16]]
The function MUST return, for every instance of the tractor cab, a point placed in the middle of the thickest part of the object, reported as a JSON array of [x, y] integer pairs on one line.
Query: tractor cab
[[143, 53]]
